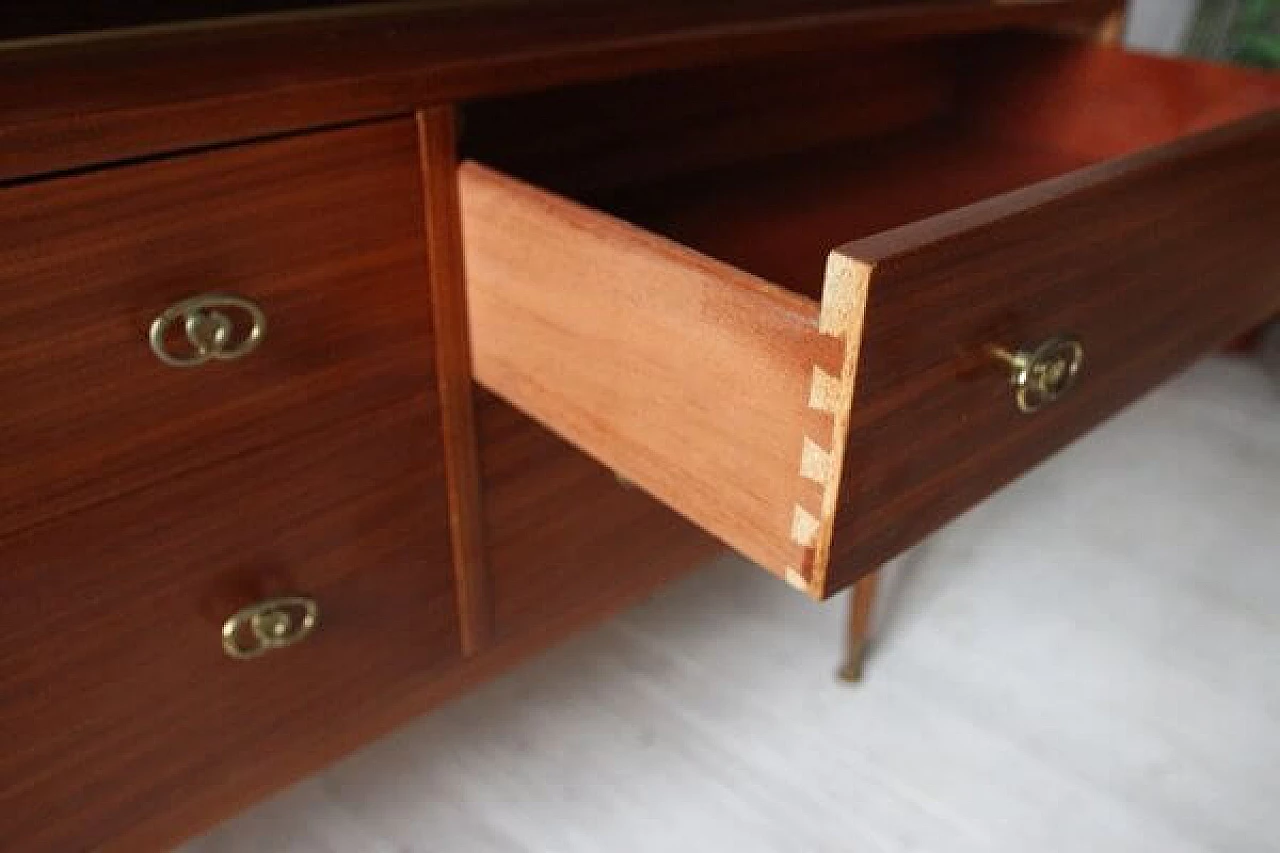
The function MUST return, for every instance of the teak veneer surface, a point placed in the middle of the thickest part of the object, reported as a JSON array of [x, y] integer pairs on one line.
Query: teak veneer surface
[[562, 534], [142, 504], [709, 386], [324, 232], [119, 712], [686, 374], [67, 103], [976, 189], [437, 131]]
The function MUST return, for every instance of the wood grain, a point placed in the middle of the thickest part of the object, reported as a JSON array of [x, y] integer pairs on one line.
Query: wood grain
[[142, 504], [1155, 260], [567, 546], [680, 372], [562, 535], [664, 411], [782, 221], [70, 103], [124, 726], [1100, 101], [925, 411], [1038, 646], [780, 218], [436, 128], [679, 401], [324, 232]]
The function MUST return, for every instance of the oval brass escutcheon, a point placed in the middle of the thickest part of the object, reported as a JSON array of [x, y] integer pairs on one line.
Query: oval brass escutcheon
[[1043, 374], [216, 326], [275, 623]]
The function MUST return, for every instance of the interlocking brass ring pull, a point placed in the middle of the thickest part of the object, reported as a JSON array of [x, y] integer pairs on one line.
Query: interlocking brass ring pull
[[268, 625], [1044, 374], [218, 326]]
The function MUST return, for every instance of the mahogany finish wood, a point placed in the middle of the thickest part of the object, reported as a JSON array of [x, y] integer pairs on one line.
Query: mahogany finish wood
[[1103, 102], [121, 716], [1150, 262], [916, 436], [784, 222], [142, 504], [568, 546], [437, 130], [72, 102], [1041, 107], [782, 217], [680, 372], [324, 232], [563, 536], [688, 376]]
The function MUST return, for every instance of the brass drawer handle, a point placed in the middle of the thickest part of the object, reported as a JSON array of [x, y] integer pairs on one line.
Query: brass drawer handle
[[1044, 374], [275, 623], [212, 331]]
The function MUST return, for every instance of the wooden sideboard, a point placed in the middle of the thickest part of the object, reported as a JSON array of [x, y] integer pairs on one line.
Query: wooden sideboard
[[805, 279]]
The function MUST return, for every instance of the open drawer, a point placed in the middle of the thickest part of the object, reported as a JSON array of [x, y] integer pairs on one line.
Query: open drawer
[[821, 355]]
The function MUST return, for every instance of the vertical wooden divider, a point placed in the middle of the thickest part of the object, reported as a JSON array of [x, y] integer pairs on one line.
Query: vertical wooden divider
[[437, 143]]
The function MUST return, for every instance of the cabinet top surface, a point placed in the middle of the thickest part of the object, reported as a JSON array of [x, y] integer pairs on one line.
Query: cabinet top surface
[[60, 18], [166, 76]]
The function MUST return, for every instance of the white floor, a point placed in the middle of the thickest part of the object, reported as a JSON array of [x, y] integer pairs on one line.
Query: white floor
[[1088, 662]]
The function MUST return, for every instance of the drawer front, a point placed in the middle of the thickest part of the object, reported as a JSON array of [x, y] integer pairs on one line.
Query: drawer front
[[1146, 263], [121, 714], [322, 232], [822, 426]]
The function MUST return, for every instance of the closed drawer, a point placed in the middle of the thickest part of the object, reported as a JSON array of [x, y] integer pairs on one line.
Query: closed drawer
[[564, 540], [143, 505], [685, 334], [323, 233], [122, 715]]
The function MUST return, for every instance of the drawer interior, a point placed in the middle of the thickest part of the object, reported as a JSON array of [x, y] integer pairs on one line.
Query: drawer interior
[[659, 283], [771, 166]]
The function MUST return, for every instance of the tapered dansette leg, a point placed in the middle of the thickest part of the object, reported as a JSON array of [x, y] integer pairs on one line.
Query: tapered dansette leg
[[861, 601]]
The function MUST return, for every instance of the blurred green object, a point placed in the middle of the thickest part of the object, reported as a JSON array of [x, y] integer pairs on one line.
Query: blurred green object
[[1242, 31]]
